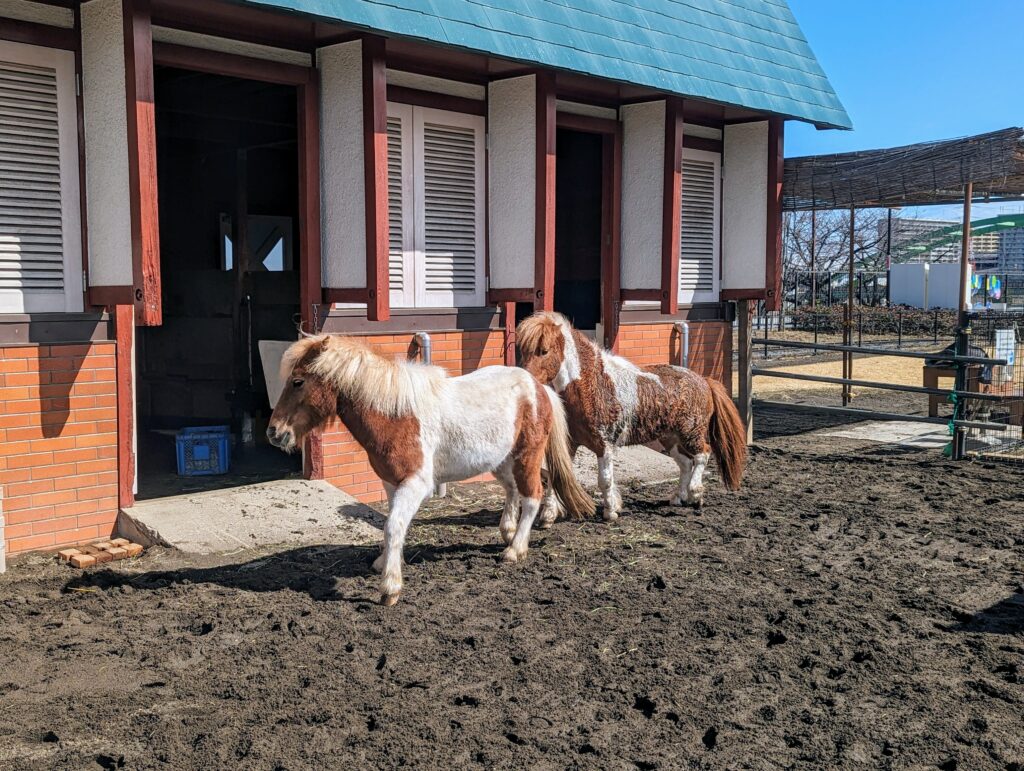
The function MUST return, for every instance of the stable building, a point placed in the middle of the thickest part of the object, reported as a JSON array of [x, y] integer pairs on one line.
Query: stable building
[[184, 180]]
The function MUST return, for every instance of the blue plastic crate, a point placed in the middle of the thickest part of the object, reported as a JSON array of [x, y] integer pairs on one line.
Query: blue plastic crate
[[203, 450]]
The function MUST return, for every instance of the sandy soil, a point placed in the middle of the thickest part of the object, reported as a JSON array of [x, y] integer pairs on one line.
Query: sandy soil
[[851, 607]]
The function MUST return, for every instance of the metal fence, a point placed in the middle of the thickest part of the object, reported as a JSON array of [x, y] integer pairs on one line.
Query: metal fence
[[801, 288], [1001, 336]]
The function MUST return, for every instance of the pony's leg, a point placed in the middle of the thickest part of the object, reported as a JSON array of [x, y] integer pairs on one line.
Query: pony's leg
[[606, 481], [516, 551], [509, 514], [695, 489], [551, 510], [685, 473], [389, 490], [404, 505]]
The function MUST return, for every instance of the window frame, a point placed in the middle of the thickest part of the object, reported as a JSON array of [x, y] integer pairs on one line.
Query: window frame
[[70, 298], [696, 296]]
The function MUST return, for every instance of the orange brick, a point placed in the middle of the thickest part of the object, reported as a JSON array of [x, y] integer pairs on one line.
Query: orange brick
[[78, 535], [18, 531], [67, 554], [51, 524], [83, 560], [134, 549], [53, 470], [56, 497], [28, 543], [29, 488]]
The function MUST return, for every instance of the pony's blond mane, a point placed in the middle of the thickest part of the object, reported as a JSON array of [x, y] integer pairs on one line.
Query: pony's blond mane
[[366, 379], [540, 331]]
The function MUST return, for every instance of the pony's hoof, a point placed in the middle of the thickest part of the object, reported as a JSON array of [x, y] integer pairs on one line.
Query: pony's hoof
[[544, 524], [510, 556], [609, 515], [387, 600], [676, 500]]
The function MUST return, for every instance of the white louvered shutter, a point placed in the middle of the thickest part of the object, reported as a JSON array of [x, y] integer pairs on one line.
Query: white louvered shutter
[[449, 208], [40, 240], [401, 250], [699, 226]]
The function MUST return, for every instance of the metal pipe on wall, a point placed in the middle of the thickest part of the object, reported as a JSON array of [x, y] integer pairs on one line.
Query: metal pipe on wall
[[683, 328], [423, 347]]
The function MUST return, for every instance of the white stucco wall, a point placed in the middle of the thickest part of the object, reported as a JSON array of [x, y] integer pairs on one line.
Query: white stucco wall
[[744, 205], [23, 10], [106, 149], [238, 47], [437, 85], [512, 174], [643, 180], [343, 199]]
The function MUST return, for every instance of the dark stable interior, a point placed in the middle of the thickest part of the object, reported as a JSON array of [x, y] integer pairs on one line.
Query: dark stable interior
[[578, 193], [227, 164]]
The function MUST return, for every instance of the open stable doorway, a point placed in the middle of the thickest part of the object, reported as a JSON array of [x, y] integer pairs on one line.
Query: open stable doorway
[[579, 191], [227, 164]]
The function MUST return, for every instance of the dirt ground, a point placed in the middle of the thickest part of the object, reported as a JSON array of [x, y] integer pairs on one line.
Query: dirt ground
[[853, 606]]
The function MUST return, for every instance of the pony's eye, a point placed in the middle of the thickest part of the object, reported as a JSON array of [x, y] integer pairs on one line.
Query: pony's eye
[[297, 383]]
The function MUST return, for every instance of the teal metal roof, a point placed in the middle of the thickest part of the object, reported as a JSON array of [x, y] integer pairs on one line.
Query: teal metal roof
[[748, 53]]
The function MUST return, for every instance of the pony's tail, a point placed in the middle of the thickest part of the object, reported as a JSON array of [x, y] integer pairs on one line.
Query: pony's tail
[[574, 499], [727, 435]]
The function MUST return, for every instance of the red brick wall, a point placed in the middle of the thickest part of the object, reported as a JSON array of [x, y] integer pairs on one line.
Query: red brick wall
[[345, 463], [710, 346], [58, 444]]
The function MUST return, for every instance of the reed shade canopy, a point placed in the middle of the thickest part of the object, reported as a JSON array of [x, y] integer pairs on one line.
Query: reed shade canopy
[[912, 175]]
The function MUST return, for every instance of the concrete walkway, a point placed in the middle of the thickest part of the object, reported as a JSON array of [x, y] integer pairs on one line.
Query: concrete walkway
[[287, 512]]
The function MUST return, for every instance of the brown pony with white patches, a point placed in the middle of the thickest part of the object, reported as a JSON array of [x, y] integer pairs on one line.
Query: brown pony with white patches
[[610, 402], [421, 428]]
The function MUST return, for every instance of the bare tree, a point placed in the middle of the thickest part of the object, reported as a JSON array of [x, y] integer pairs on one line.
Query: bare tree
[[831, 233]]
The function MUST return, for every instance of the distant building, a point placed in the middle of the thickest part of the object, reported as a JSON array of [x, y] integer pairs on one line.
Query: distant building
[[912, 241], [1010, 257]]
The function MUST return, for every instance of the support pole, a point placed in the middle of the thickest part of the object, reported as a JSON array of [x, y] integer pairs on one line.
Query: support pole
[[963, 331], [744, 310], [814, 276], [848, 327]]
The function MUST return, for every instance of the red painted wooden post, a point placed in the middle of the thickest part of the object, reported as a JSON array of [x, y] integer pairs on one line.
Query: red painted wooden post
[[142, 181], [544, 231], [671, 201], [124, 335], [509, 311], [375, 165], [773, 246]]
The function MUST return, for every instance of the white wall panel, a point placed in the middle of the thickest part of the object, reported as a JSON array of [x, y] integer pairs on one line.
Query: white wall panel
[[512, 174], [643, 180], [744, 205], [106, 144], [343, 189]]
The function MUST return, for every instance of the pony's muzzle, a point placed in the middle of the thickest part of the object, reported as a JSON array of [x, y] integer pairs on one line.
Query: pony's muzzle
[[282, 439]]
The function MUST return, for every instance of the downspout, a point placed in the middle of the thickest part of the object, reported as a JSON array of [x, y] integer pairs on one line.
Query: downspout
[[422, 341], [683, 328]]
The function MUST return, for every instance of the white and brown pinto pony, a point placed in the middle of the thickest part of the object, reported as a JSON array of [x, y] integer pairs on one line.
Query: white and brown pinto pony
[[610, 402], [421, 428]]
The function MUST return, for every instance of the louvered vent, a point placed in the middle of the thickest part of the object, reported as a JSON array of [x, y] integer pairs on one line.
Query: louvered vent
[[396, 246], [449, 208], [31, 243], [697, 226]]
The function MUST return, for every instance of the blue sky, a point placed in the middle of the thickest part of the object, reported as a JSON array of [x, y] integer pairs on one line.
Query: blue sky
[[914, 70]]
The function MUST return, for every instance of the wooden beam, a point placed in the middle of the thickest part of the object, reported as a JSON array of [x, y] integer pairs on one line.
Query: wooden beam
[[743, 294], [645, 295], [544, 219], [509, 319], [432, 99], [142, 184], [124, 334], [587, 123], [773, 247], [671, 199], [744, 312], [44, 35], [344, 295], [231, 65], [611, 246], [375, 176], [310, 265]]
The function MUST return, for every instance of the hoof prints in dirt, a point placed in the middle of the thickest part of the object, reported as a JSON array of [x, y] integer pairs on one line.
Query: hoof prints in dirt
[[795, 623]]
